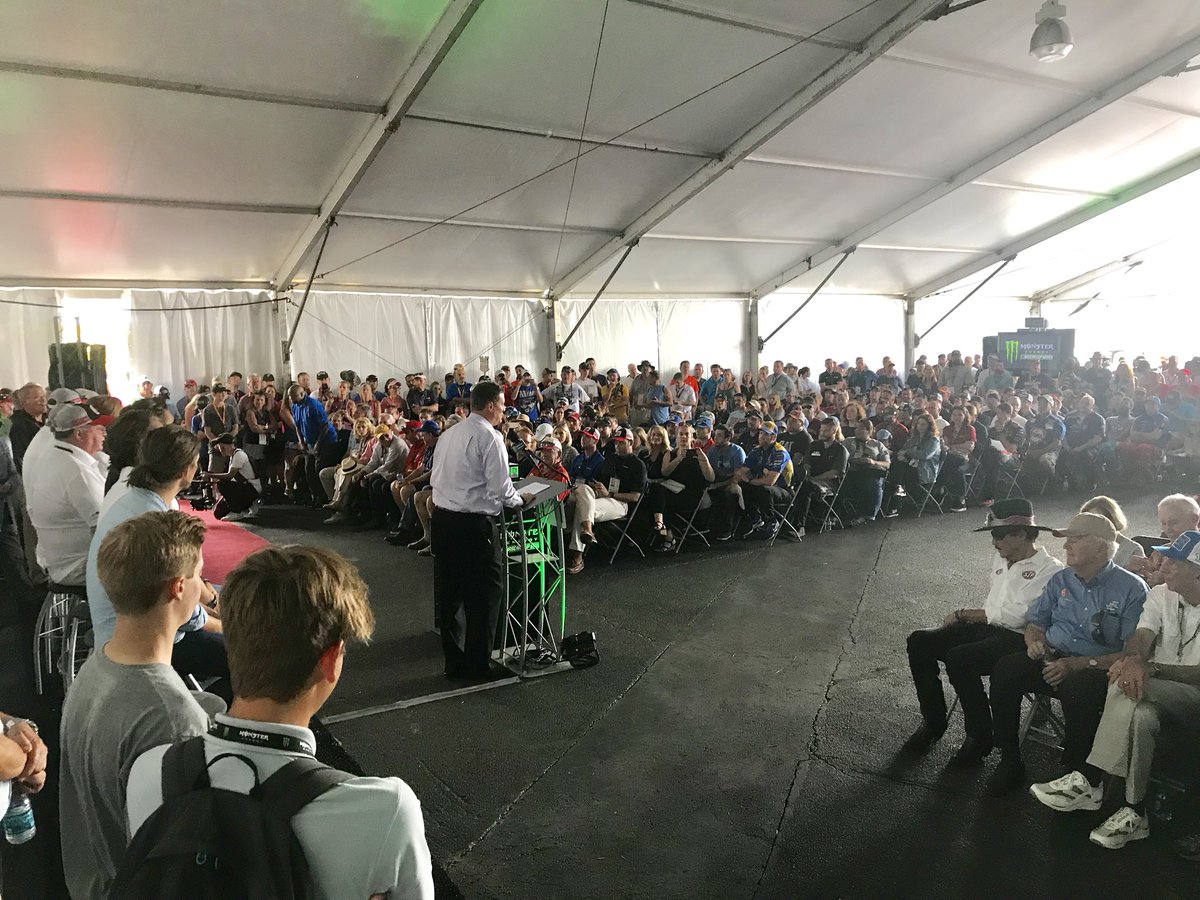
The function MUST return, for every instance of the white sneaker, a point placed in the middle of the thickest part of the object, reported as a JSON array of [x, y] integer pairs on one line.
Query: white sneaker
[[1120, 828], [254, 508], [1068, 793], [234, 516]]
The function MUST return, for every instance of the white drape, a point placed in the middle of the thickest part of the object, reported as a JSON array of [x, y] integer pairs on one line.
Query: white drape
[[374, 334], [700, 331], [616, 332], [509, 331], [27, 324], [833, 325], [178, 335]]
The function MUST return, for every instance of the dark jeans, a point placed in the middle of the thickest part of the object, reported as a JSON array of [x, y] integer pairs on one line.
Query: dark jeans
[[761, 498], [901, 474], [970, 650], [953, 476], [236, 496], [1081, 693], [724, 509], [660, 500], [467, 588], [382, 503], [202, 655], [864, 490]]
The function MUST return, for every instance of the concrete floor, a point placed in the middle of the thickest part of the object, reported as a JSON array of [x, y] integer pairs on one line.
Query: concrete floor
[[736, 741]]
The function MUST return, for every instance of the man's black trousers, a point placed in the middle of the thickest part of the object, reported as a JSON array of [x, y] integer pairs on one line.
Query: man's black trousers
[[969, 650], [467, 587]]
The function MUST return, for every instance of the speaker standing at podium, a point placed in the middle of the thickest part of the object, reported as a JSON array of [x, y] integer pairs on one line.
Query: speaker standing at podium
[[471, 486]]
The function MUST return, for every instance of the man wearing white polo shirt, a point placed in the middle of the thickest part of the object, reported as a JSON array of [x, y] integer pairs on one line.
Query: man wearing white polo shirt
[[64, 490]]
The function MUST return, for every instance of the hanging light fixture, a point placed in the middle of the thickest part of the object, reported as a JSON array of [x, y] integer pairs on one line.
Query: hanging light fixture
[[1051, 39]]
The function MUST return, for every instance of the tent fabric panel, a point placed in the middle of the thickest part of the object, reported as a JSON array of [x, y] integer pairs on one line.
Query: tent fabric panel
[[343, 50], [810, 16], [29, 331], [435, 169], [833, 325], [70, 239], [700, 331], [692, 268], [768, 201], [446, 258], [63, 135], [176, 335], [616, 332], [948, 121], [507, 331], [529, 63], [879, 272], [1107, 150], [374, 334]]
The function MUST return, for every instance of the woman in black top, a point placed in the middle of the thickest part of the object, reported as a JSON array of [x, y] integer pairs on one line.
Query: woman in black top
[[686, 465], [658, 445]]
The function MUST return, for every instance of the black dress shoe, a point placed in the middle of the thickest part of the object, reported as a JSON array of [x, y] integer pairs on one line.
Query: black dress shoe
[[1008, 777], [397, 538], [972, 752], [924, 737]]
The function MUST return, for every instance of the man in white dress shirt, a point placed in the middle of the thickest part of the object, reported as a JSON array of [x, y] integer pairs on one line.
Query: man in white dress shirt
[[471, 487], [64, 490]]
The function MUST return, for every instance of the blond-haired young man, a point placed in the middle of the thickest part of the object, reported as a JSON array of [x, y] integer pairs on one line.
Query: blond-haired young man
[[288, 614], [127, 698]]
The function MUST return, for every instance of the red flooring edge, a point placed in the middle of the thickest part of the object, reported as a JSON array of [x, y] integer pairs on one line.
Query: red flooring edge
[[225, 544]]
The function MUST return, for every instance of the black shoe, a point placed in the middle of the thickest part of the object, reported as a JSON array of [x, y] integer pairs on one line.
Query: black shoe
[[398, 538], [924, 738], [972, 752], [1008, 777]]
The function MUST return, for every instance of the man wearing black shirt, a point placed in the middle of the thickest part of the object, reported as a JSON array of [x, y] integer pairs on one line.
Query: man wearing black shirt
[[421, 399], [831, 377], [748, 439], [827, 461], [619, 486], [1081, 446], [28, 420], [796, 440]]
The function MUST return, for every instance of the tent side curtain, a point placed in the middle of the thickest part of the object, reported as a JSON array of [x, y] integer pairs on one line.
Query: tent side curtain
[[27, 323], [176, 335], [373, 334], [508, 331], [833, 326]]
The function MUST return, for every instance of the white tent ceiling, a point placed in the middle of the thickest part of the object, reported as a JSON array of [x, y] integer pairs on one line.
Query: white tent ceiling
[[206, 143]]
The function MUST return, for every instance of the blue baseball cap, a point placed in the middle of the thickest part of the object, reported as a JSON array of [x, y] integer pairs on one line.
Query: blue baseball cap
[[769, 427], [1186, 547], [430, 427], [705, 422], [676, 419]]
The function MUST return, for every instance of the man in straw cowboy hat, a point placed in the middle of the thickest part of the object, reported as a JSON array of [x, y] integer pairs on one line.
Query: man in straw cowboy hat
[[971, 640]]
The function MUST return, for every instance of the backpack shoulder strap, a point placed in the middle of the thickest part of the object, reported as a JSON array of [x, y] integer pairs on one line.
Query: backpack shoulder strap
[[184, 768], [297, 784]]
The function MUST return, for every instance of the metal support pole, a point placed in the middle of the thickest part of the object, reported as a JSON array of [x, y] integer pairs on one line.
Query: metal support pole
[[751, 342], [975, 290], [559, 348], [1035, 308], [287, 346], [816, 290], [62, 379], [553, 326], [910, 333]]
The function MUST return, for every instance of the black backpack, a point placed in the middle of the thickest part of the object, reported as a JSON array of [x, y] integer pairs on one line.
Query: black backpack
[[206, 843]]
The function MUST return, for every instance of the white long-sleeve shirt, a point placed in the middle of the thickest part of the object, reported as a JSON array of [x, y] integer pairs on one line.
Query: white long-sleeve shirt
[[63, 493], [1014, 588], [470, 470]]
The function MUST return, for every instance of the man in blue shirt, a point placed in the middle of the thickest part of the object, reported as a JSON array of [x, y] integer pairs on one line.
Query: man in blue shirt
[[656, 397], [726, 458], [764, 479], [586, 466], [708, 388], [318, 440], [1073, 633]]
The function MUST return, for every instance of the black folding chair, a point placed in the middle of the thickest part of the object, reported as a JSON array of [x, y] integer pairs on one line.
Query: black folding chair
[[689, 524], [825, 498], [621, 527], [783, 511]]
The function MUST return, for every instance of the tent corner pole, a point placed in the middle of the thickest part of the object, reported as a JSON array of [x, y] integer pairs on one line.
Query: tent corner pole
[[752, 344], [910, 333]]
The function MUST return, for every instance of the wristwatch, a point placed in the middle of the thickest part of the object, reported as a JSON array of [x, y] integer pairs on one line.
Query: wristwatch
[[7, 725], [1092, 662]]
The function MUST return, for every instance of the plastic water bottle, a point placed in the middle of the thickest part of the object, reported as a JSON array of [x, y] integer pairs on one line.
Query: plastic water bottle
[[19, 826]]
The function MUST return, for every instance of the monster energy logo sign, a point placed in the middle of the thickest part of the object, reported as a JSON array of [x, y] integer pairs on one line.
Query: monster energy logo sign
[[1017, 351], [1012, 351]]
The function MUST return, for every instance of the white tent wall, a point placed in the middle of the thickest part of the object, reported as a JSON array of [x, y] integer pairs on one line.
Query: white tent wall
[[616, 332], [509, 331], [27, 323], [177, 335], [967, 326], [380, 334], [833, 325], [700, 331]]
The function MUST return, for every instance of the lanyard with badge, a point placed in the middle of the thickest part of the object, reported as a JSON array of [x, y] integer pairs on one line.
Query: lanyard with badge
[[1183, 645], [267, 740]]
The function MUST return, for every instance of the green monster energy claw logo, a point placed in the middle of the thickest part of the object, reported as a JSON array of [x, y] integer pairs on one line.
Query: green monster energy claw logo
[[1012, 351]]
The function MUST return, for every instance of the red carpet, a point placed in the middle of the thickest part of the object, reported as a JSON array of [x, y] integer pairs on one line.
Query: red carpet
[[225, 544]]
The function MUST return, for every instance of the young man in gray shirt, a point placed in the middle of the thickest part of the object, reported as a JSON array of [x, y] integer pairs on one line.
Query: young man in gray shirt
[[127, 698]]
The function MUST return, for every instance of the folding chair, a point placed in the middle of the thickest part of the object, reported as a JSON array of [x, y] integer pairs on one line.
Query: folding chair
[[1008, 480], [1042, 724], [53, 629], [688, 523], [828, 498], [783, 509], [622, 526], [922, 494]]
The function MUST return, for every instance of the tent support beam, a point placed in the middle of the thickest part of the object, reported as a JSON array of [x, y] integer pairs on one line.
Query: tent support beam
[[178, 87], [430, 55], [560, 347], [910, 333], [165, 202], [799, 309], [825, 84], [971, 293], [751, 342], [1046, 130], [287, 345], [1163, 177]]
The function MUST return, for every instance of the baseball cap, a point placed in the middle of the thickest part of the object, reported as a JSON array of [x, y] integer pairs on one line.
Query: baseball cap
[[225, 438], [612, 372], [705, 422], [381, 430], [769, 428], [623, 434], [6, 394], [190, 382], [510, 412], [550, 442], [62, 395], [321, 375], [1088, 525], [430, 427], [69, 416], [574, 416], [590, 431], [676, 419], [562, 401], [543, 431], [374, 379], [1186, 548], [754, 414]]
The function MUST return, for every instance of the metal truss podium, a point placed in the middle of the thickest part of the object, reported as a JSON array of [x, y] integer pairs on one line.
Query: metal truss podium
[[532, 617]]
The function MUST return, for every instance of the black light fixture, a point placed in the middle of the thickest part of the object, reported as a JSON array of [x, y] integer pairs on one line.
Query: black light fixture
[[1051, 39]]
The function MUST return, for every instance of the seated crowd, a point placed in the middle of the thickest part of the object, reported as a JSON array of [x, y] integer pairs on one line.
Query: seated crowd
[[88, 505]]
